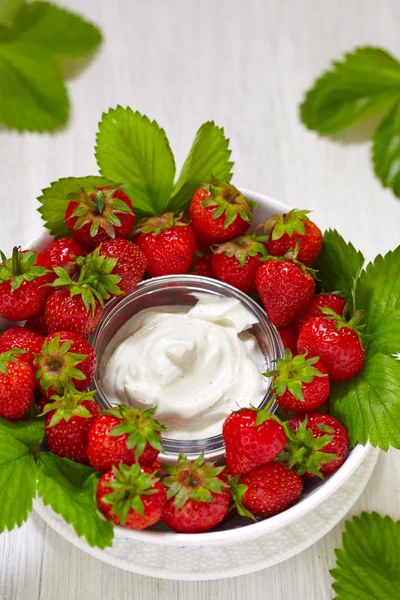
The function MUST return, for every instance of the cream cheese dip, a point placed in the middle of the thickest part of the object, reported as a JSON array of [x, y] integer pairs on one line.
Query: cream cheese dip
[[196, 364]]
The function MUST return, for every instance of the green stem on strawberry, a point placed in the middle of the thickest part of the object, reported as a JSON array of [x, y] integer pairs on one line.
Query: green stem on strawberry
[[16, 266]]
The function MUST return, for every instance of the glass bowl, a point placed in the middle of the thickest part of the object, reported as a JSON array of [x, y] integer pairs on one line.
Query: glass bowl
[[181, 290]]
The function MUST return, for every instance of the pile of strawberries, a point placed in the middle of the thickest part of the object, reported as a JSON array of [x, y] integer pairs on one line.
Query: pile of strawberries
[[60, 294]]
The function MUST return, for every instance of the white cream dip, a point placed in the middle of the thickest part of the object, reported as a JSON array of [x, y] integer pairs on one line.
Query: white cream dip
[[196, 364]]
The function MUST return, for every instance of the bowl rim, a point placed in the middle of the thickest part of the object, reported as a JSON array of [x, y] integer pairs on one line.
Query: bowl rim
[[260, 528]]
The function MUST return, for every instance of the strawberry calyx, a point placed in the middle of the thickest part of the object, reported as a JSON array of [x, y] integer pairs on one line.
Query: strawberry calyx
[[291, 256], [196, 480], [158, 223], [237, 492], [99, 209], [263, 414], [140, 425], [303, 452], [9, 357], [56, 365], [20, 267], [95, 282], [291, 373], [70, 404], [129, 485], [228, 201], [341, 321], [289, 223], [242, 247]]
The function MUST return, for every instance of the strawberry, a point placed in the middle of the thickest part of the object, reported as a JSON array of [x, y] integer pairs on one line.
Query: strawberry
[[64, 360], [266, 491], [17, 385], [78, 305], [63, 311], [294, 229], [300, 383], [131, 262], [131, 496], [198, 495], [289, 337], [201, 266], [168, 243], [336, 342], [237, 262], [285, 288], [19, 337], [37, 324], [68, 420], [318, 445], [219, 213], [22, 278], [64, 253], [314, 308], [124, 434], [252, 437], [102, 214]]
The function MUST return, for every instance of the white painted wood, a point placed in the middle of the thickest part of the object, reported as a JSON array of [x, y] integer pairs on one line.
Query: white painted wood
[[245, 65]]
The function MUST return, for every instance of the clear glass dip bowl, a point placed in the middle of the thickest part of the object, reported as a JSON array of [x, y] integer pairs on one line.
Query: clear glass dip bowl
[[180, 290]]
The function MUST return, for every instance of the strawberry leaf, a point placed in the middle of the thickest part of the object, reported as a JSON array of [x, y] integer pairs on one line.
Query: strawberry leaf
[[208, 160], [386, 150], [368, 565], [29, 430], [54, 200], [338, 264], [362, 83], [17, 481], [69, 488], [133, 150], [57, 30], [9, 11]]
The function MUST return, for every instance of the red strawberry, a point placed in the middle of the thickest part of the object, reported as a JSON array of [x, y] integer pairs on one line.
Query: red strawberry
[[313, 309], [124, 434], [41, 402], [22, 278], [300, 383], [131, 262], [289, 337], [237, 262], [94, 217], [63, 311], [37, 324], [252, 437], [318, 446], [68, 420], [64, 253], [291, 229], [64, 360], [201, 266], [266, 491], [336, 342], [168, 243], [131, 496], [19, 337], [219, 213], [17, 384], [285, 288], [198, 495]]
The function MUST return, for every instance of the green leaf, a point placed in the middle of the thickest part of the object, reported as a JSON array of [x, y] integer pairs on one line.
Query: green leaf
[[33, 95], [359, 85], [132, 149], [368, 566], [9, 10], [369, 403], [28, 431], [54, 200], [69, 488], [17, 482], [386, 150], [57, 30], [338, 264], [207, 160]]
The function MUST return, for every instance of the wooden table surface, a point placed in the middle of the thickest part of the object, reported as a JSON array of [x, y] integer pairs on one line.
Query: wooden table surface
[[244, 64]]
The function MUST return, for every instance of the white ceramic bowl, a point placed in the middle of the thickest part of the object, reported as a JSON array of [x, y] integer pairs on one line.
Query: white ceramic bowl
[[235, 531]]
